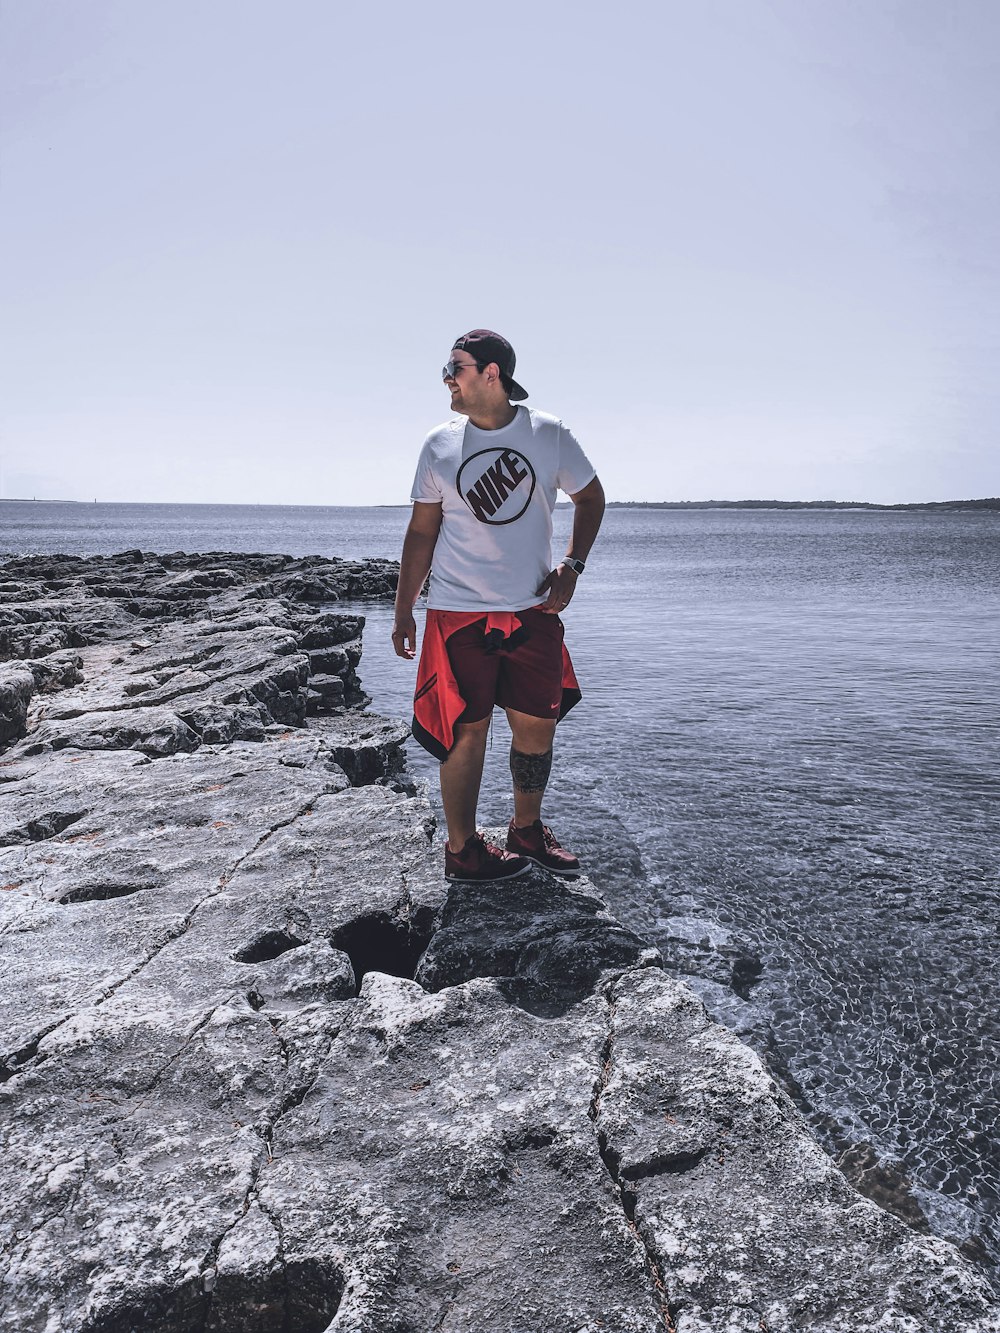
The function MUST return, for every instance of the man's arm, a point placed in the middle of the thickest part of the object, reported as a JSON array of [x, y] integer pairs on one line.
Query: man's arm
[[414, 566], [588, 511]]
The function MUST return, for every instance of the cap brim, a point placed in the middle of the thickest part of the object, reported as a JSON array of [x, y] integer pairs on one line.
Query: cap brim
[[516, 393]]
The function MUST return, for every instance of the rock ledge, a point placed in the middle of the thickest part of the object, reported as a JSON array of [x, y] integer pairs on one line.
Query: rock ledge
[[261, 1071]]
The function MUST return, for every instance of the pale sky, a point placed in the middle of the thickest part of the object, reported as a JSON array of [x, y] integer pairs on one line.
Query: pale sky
[[744, 248]]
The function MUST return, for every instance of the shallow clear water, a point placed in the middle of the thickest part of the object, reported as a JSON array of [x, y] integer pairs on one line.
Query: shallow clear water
[[790, 727]]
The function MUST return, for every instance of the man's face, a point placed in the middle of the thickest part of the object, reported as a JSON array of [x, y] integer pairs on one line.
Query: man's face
[[467, 385]]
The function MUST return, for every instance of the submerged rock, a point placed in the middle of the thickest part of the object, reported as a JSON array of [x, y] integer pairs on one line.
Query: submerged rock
[[263, 1070]]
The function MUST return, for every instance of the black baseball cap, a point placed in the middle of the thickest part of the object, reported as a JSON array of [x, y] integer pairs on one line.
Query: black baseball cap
[[487, 346]]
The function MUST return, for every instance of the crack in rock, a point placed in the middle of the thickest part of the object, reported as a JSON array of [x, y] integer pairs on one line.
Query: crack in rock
[[383, 942], [297, 1296], [668, 1311], [101, 893], [159, 1074], [291, 1099], [294, 1096]]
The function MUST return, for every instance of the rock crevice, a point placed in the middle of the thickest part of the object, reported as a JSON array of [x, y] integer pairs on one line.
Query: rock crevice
[[667, 1311]]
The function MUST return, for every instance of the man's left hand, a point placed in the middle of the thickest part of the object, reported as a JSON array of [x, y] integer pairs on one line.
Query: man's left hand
[[560, 586]]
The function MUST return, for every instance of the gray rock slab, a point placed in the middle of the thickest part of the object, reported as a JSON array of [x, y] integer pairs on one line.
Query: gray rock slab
[[749, 1223], [450, 1133], [173, 660], [142, 851], [210, 1007], [551, 940]]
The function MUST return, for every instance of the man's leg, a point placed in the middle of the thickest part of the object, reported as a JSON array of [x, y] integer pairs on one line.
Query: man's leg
[[461, 775], [530, 763]]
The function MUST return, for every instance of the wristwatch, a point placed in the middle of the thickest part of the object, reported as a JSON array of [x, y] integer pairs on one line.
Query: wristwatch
[[577, 566]]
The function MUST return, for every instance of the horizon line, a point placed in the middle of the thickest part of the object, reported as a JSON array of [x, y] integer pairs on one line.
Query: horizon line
[[984, 501]]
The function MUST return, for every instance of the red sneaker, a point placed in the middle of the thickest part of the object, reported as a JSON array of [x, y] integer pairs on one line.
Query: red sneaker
[[538, 843], [479, 861]]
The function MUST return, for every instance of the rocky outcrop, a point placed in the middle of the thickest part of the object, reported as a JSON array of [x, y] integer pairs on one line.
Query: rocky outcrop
[[53, 602], [263, 1070], [180, 650]]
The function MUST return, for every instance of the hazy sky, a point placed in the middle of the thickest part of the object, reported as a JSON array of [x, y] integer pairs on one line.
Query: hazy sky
[[744, 248]]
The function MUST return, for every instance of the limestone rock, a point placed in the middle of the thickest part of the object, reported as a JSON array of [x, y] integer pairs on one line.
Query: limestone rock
[[554, 941], [263, 1071], [220, 656]]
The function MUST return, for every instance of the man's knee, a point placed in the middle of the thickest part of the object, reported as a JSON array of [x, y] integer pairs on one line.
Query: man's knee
[[470, 735], [532, 735]]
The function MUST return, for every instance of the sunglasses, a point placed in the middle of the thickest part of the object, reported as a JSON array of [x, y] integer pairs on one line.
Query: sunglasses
[[451, 369]]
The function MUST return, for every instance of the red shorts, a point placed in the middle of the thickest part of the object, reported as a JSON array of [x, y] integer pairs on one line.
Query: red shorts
[[527, 677]]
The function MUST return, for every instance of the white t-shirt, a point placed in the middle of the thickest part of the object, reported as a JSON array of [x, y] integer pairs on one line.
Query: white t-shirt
[[497, 489]]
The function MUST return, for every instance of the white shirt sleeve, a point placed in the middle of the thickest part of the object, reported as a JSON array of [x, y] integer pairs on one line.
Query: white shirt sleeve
[[426, 485], [575, 469]]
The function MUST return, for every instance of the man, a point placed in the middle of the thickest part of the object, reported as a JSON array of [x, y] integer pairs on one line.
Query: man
[[483, 497]]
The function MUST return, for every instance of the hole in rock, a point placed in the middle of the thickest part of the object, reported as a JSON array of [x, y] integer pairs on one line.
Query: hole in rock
[[297, 1298], [664, 1164], [380, 943], [272, 944], [41, 829], [95, 893], [531, 1140]]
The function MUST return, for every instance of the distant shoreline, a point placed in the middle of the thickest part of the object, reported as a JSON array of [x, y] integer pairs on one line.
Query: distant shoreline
[[991, 503]]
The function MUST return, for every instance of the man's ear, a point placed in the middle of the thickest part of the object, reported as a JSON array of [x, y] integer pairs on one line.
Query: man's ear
[[492, 372]]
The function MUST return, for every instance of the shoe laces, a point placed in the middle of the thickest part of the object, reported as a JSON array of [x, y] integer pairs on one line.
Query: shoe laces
[[483, 848]]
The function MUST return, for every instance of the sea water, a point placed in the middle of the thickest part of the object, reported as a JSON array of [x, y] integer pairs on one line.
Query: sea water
[[790, 731]]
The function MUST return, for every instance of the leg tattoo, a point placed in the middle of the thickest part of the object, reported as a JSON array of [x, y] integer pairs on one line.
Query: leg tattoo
[[530, 771]]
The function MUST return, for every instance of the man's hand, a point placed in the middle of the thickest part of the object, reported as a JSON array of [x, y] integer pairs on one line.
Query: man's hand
[[404, 636], [588, 510], [560, 586]]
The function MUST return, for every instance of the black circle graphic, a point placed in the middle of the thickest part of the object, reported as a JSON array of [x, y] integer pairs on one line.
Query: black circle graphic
[[498, 452]]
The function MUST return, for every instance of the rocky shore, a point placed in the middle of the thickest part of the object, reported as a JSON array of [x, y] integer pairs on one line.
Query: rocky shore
[[263, 1071]]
